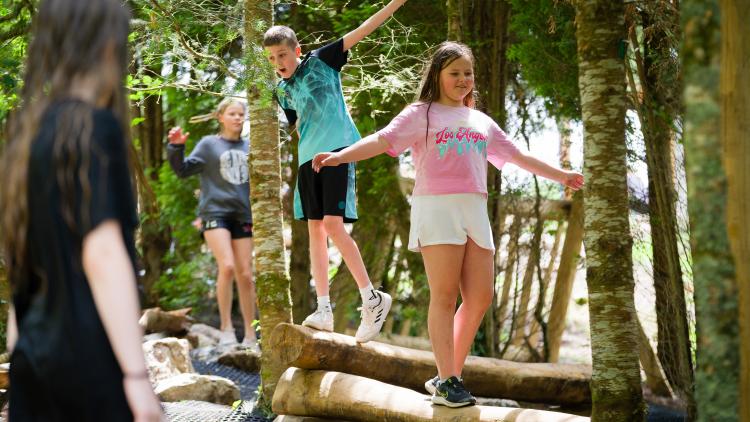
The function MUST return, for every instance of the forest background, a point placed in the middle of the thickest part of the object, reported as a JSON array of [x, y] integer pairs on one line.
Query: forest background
[[187, 55]]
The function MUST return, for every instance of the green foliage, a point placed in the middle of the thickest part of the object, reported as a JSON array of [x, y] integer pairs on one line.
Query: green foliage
[[545, 50]]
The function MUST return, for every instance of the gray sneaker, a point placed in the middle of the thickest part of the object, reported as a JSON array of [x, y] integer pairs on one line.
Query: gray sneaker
[[452, 393]]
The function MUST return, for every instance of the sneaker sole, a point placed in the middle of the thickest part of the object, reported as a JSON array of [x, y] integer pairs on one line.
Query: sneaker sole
[[386, 309], [443, 402], [319, 328]]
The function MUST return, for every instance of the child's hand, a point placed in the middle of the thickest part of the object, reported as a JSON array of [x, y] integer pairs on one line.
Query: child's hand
[[573, 180], [175, 136], [325, 159]]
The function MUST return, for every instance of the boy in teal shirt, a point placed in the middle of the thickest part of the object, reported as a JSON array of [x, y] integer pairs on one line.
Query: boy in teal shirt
[[312, 99]]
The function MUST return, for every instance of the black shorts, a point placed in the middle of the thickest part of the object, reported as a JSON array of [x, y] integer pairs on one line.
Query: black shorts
[[238, 229], [330, 192]]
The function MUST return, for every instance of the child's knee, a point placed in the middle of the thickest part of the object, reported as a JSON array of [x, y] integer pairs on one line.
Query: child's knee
[[226, 269], [334, 227]]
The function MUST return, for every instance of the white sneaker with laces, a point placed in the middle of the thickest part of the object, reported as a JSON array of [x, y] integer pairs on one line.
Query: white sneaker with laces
[[373, 317], [227, 337], [320, 320]]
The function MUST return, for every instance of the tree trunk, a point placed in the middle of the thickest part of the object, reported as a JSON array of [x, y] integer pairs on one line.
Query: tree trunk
[[616, 383], [658, 113], [454, 9], [271, 280], [303, 347], [334, 394], [154, 240], [510, 269], [717, 353], [5, 299], [735, 132], [566, 274]]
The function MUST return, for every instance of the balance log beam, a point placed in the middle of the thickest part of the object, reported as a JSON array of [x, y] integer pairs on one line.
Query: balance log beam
[[548, 383], [303, 392]]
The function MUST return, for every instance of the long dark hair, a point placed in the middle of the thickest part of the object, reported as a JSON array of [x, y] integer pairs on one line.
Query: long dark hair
[[429, 88], [69, 40]]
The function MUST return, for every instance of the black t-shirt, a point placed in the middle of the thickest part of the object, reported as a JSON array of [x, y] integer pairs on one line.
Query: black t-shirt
[[63, 363]]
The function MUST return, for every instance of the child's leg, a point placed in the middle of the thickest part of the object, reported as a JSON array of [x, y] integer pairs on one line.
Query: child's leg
[[334, 227], [442, 264], [220, 242], [477, 289], [318, 256], [243, 258]]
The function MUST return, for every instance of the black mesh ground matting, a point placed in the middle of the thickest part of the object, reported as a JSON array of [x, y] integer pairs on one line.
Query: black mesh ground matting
[[247, 381], [196, 411]]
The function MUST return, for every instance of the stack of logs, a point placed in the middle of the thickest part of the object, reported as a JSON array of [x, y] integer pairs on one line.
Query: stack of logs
[[332, 376]]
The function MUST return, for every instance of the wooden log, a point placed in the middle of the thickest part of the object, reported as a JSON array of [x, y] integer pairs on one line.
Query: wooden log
[[306, 348], [154, 320], [333, 394]]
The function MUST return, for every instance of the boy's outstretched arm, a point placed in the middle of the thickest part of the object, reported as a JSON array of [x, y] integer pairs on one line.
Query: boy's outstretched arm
[[371, 24]]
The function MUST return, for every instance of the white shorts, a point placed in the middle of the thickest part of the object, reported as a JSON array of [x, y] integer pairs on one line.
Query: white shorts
[[449, 219]]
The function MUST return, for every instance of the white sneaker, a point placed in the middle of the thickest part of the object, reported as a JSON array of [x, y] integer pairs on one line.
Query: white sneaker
[[373, 317], [227, 337], [320, 320], [250, 344]]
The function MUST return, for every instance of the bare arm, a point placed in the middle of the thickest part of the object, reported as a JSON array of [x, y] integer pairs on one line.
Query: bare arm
[[368, 147], [540, 168], [112, 282], [12, 335], [371, 24]]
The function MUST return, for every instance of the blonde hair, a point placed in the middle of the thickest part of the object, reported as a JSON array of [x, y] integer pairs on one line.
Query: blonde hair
[[220, 109]]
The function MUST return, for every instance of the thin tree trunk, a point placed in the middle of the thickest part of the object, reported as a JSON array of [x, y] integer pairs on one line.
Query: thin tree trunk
[[271, 279], [616, 381], [454, 9], [717, 354], [154, 239], [735, 133], [658, 73], [566, 274], [510, 266], [535, 332]]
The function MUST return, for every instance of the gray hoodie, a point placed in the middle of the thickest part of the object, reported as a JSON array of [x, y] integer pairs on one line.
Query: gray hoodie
[[224, 175]]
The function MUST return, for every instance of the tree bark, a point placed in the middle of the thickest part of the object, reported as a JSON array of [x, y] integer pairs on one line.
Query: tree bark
[[303, 347], [659, 76], [716, 290], [154, 239], [454, 9], [334, 394], [735, 133], [616, 382], [566, 273], [271, 279]]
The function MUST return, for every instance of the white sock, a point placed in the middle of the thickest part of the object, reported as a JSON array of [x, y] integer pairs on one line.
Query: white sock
[[324, 303], [368, 294]]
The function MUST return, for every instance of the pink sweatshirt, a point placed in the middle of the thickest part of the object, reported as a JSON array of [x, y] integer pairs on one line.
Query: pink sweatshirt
[[453, 156]]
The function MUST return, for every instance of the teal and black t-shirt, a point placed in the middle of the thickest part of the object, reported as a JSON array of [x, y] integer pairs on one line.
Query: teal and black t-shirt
[[313, 99]]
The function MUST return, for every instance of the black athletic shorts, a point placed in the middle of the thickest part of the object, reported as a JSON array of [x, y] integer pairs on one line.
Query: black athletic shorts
[[330, 192], [238, 229]]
